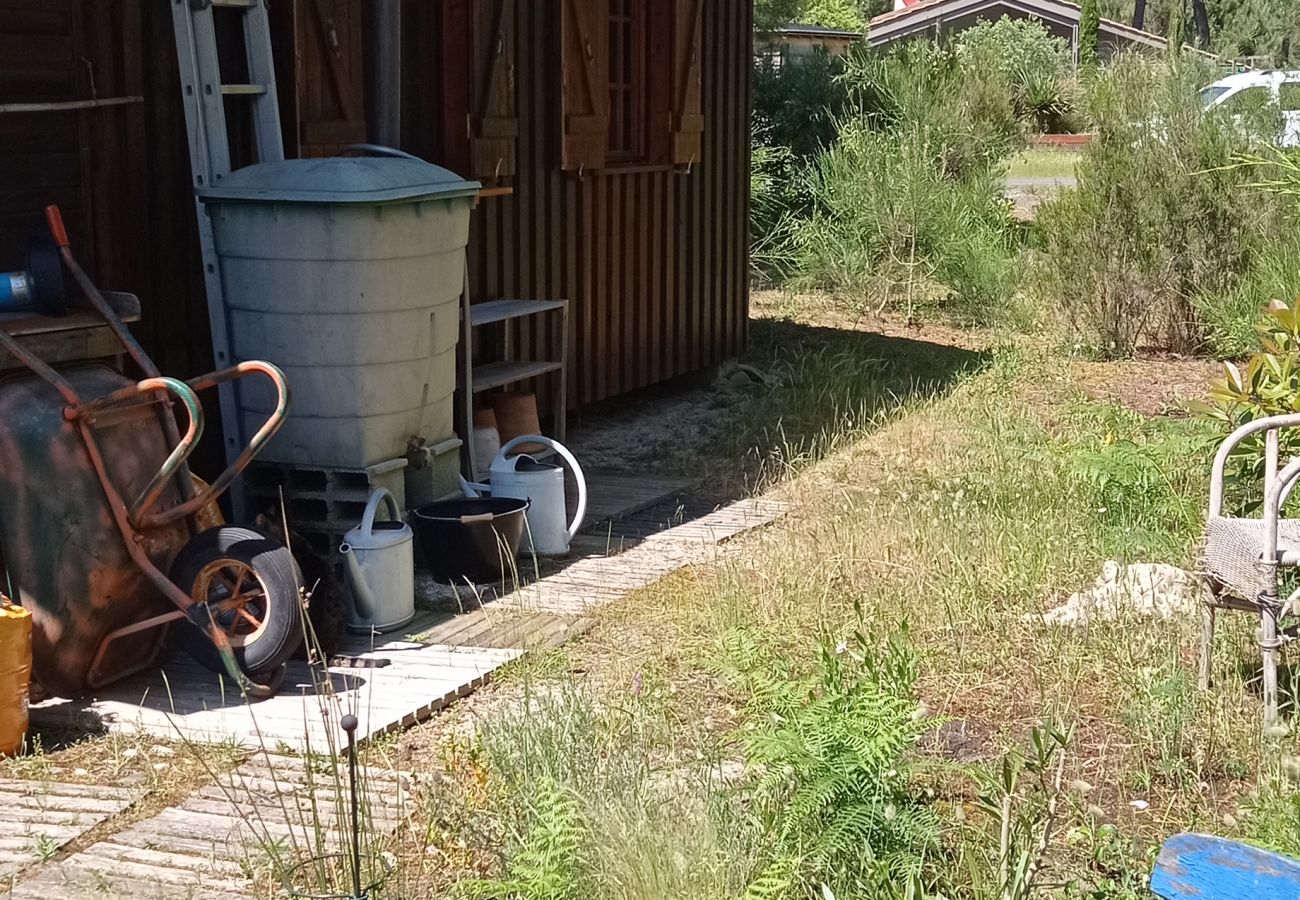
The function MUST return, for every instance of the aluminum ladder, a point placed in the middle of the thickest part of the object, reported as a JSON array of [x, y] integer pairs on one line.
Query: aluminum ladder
[[203, 96]]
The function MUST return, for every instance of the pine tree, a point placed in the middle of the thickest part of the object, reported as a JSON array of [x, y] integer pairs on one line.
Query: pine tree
[[1089, 30]]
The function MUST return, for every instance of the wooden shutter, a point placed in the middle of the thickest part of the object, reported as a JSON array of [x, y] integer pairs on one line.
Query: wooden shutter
[[688, 83], [494, 116], [331, 108], [584, 77]]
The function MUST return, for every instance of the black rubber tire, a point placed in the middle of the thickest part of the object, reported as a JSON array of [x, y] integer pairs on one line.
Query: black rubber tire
[[281, 587]]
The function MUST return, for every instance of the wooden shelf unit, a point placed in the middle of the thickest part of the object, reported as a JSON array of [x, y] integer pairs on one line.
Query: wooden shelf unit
[[475, 379]]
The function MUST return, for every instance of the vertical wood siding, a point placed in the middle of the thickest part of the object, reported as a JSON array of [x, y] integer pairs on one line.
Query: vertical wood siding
[[654, 262]]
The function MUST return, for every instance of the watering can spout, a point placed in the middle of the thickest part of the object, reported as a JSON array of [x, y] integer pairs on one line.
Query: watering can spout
[[362, 599], [472, 490]]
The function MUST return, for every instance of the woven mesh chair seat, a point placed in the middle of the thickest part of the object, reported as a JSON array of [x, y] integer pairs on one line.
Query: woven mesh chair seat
[[1233, 548]]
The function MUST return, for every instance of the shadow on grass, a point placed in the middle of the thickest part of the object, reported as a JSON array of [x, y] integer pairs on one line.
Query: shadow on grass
[[821, 386]]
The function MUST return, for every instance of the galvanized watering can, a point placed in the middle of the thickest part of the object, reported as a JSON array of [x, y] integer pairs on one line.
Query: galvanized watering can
[[525, 478], [379, 559]]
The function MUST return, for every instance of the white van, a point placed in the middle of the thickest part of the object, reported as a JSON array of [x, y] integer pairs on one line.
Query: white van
[[1247, 90]]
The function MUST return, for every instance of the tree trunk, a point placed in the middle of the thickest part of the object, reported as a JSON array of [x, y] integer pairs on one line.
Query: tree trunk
[[1139, 14], [1202, 21]]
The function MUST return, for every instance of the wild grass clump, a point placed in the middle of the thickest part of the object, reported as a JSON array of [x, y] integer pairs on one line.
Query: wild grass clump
[[1163, 223]]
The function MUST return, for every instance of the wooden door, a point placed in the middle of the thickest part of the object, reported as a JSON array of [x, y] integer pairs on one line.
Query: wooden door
[[329, 76]]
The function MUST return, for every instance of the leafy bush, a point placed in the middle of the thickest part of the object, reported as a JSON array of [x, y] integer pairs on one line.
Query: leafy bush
[[1161, 222], [1037, 66], [796, 108], [1268, 385]]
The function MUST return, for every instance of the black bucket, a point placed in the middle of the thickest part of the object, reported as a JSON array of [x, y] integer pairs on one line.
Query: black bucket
[[471, 540]]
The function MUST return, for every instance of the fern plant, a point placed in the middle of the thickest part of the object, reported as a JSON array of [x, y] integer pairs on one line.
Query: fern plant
[[548, 862], [834, 799]]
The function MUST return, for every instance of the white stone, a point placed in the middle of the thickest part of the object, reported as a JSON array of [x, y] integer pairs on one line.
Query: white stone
[[1148, 590]]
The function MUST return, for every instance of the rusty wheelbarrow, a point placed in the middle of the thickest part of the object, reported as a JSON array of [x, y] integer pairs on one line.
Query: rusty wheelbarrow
[[97, 522]]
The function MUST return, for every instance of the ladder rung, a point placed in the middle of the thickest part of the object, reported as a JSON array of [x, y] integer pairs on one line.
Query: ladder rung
[[243, 89], [237, 4]]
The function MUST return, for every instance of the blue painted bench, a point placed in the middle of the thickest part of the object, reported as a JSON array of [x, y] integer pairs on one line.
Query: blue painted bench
[[1200, 867]]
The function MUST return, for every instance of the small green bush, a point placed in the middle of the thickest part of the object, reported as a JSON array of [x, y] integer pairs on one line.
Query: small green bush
[[889, 224], [961, 102], [833, 802], [796, 108], [1162, 222]]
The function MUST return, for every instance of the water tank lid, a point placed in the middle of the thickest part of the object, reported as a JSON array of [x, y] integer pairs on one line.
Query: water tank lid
[[340, 179]]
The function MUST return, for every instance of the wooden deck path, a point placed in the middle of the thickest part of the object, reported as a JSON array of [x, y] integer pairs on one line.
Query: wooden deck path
[[445, 653], [206, 848], [39, 818]]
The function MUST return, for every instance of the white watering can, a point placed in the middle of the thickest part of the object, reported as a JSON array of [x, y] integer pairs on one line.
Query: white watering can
[[524, 478], [379, 559]]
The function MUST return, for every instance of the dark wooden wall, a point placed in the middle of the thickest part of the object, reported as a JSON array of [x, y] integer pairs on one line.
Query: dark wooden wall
[[653, 260]]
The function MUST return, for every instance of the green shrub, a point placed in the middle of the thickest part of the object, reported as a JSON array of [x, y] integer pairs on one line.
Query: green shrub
[[907, 206], [890, 224], [1268, 385], [961, 103], [1162, 221], [796, 108], [1037, 66]]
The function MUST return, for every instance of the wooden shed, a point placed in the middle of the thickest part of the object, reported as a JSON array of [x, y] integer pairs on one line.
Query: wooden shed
[[612, 137]]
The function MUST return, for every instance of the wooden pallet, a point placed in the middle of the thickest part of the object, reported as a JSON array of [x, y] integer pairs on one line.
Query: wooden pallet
[[42, 817], [209, 845]]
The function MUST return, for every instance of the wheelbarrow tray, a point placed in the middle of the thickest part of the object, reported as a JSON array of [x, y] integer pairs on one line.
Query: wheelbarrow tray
[[66, 558]]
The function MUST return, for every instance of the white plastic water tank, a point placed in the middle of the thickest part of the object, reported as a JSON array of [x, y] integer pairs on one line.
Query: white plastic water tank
[[346, 272]]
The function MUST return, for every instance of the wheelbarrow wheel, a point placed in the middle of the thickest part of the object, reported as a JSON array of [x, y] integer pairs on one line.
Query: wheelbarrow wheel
[[252, 591]]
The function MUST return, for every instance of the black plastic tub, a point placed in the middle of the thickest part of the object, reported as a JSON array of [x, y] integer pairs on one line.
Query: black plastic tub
[[471, 540]]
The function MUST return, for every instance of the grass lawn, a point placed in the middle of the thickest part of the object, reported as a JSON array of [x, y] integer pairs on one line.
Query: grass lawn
[[1043, 164], [949, 487]]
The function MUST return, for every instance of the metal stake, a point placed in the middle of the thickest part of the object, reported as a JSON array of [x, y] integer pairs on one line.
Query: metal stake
[[350, 724]]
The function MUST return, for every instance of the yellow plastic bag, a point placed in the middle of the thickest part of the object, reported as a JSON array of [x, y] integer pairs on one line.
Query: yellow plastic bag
[[15, 674]]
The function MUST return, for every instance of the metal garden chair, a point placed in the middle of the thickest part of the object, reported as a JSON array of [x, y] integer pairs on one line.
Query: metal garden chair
[[1243, 557]]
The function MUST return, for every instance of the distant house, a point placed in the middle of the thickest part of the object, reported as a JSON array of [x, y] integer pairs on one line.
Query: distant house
[[938, 18], [793, 41]]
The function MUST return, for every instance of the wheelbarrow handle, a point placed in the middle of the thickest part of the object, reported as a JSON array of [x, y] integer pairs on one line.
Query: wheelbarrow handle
[[223, 481], [180, 453]]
